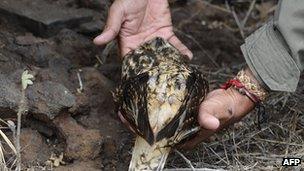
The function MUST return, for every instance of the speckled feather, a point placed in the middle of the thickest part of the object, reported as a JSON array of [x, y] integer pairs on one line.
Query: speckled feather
[[159, 97]]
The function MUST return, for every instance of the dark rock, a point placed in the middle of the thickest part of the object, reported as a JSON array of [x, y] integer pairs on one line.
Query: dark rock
[[80, 166], [43, 18], [28, 39], [82, 106], [34, 148], [47, 99], [91, 28], [44, 128], [109, 149], [49, 95], [109, 154], [94, 79], [81, 143], [99, 5], [57, 71], [102, 116], [37, 53], [10, 96], [111, 71], [9, 62], [28, 49], [3, 58], [66, 3], [97, 89], [59, 65], [78, 49]]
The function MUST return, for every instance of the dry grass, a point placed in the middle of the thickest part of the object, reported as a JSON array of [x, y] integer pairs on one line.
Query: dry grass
[[247, 145], [6, 163]]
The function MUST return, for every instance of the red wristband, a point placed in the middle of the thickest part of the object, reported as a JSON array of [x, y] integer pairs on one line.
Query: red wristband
[[235, 83]]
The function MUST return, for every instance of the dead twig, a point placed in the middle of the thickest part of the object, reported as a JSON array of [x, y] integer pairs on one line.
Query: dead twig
[[248, 13], [80, 89], [198, 44], [216, 7], [186, 160], [106, 51], [236, 18]]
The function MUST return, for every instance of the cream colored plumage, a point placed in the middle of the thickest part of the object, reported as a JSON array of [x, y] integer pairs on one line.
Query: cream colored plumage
[[159, 98]]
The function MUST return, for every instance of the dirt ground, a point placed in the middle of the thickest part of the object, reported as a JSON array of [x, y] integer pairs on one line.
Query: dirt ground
[[79, 130]]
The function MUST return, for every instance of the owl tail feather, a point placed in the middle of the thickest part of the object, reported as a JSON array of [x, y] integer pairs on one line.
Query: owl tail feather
[[147, 157]]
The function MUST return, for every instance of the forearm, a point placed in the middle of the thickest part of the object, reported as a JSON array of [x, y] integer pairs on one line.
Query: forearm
[[274, 53]]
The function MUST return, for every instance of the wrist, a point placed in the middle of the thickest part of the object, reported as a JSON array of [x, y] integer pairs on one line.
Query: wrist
[[249, 73], [253, 79], [246, 84], [252, 85], [242, 104]]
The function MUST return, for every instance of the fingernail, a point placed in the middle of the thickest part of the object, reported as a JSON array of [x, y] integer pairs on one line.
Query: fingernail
[[210, 122], [97, 39], [190, 55], [216, 123]]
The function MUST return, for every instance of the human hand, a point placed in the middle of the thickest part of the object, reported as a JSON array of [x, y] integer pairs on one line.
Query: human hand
[[220, 109], [137, 21]]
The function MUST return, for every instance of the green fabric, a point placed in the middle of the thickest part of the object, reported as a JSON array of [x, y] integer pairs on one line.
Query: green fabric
[[275, 52]]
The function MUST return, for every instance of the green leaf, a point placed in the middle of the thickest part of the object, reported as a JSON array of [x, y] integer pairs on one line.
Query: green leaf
[[26, 79]]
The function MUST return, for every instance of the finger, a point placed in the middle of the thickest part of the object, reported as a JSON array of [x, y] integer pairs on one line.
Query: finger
[[180, 46], [112, 28], [207, 116], [208, 121]]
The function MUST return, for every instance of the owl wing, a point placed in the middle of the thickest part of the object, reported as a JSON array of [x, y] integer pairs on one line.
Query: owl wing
[[133, 105], [186, 119], [190, 126]]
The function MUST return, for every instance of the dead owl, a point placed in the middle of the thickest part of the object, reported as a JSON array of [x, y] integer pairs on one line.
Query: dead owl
[[159, 98]]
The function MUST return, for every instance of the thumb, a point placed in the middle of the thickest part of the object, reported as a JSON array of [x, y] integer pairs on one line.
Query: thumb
[[206, 118], [112, 28]]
